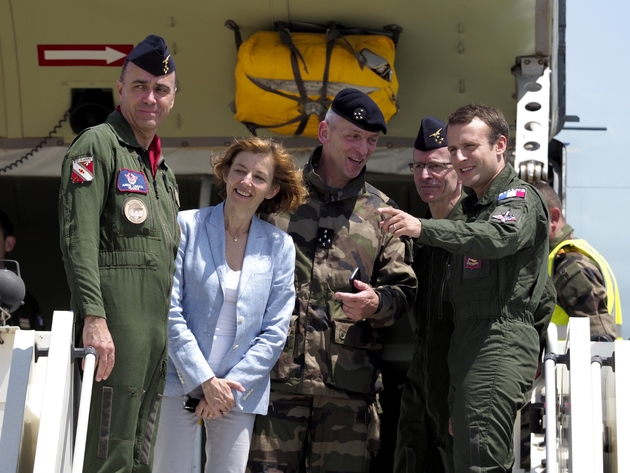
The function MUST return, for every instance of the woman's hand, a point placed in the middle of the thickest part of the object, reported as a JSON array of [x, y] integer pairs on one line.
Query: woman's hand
[[218, 396]]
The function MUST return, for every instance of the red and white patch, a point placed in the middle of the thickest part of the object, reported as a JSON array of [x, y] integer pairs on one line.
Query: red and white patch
[[471, 263], [82, 170]]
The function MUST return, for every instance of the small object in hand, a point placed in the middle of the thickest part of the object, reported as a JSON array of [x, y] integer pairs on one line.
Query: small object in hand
[[191, 404], [356, 274]]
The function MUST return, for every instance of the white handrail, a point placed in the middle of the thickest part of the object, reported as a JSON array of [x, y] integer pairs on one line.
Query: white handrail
[[84, 410], [598, 442], [550, 400]]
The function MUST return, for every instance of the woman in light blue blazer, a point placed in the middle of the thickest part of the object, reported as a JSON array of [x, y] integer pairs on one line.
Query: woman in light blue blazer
[[233, 296]]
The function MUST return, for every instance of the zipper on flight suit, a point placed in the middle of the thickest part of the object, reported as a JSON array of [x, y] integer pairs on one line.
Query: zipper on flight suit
[[151, 211]]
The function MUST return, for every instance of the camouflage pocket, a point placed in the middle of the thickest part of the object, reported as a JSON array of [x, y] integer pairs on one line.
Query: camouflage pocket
[[354, 358], [282, 368]]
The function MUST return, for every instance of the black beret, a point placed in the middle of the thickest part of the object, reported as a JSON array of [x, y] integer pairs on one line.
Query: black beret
[[153, 56], [360, 109], [432, 135]]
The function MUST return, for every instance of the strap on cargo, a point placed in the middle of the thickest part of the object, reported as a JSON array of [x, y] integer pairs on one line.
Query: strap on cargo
[[231, 25]]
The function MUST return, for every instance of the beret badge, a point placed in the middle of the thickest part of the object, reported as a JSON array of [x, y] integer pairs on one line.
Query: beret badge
[[359, 113]]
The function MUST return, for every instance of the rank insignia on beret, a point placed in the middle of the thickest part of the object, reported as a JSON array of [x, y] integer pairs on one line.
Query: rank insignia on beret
[[358, 108], [152, 55], [430, 135], [132, 181], [82, 170], [516, 193], [439, 139], [359, 113]]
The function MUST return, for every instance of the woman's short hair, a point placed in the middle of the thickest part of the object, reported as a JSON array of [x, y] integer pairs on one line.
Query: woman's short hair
[[292, 192]]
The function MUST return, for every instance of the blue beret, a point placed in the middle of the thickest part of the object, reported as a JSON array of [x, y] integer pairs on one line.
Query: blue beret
[[360, 109], [153, 56], [432, 135]]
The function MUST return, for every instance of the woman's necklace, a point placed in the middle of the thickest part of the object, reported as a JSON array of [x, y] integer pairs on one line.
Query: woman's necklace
[[232, 234]]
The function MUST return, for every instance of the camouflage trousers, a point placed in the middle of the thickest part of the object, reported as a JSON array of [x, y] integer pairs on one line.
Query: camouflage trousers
[[325, 434]]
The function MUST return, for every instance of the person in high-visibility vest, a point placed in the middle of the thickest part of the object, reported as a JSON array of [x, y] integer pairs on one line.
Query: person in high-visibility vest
[[584, 281]]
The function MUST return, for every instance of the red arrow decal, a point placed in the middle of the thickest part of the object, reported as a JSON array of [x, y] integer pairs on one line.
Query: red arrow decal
[[112, 55]]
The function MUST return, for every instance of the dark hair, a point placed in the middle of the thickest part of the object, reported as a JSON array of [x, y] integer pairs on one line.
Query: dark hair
[[549, 194], [291, 193], [491, 116], [5, 225]]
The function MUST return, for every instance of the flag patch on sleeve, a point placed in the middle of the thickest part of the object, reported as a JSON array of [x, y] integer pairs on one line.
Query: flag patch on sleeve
[[82, 170], [513, 193]]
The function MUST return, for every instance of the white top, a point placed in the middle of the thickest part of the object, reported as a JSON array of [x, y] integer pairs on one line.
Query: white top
[[226, 325]]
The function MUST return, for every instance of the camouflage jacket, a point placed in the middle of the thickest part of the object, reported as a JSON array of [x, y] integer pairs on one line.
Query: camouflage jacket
[[580, 286], [334, 232]]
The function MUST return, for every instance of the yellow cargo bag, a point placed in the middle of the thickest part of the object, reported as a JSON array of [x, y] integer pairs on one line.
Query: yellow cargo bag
[[286, 80]]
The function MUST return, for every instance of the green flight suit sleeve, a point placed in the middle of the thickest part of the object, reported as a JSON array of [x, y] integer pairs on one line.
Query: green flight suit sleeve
[[515, 224], [80, 208]]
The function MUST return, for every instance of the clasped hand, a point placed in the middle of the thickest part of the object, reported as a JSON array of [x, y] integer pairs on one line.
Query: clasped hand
[[218, 399]]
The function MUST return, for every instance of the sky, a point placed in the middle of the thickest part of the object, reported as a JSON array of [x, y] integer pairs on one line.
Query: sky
[[597, 74]]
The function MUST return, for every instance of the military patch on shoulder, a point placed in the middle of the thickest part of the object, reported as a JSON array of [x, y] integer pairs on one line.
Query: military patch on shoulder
[[506, 214], [512, 193], [82, 170], [132, 181]]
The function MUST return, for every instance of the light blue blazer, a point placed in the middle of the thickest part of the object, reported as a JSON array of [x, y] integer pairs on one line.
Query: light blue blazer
[[265, 302]]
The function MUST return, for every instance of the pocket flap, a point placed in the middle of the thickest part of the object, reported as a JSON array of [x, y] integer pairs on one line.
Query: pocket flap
[[357, 335]]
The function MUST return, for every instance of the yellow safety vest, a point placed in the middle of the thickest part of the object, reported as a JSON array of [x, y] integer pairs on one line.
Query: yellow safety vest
[[613, 304]]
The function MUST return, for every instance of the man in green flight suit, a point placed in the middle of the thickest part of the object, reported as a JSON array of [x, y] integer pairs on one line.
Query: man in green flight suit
[[423, 443], [119, 238], [498, 281]]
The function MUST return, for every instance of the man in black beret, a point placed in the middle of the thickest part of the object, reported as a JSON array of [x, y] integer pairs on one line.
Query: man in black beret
[[324, 391], [423, 443], [119, 236]]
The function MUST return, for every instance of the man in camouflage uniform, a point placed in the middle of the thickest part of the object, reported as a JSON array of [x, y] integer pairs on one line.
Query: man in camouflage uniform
[[423, 443], [585, 284], [323, 406], [498, 287]]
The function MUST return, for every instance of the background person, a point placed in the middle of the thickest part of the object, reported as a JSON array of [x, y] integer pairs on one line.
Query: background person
[[584, 281], [323, 405], [28, 316], [423, 443], [118, 207], [232, 301], [498, 288]]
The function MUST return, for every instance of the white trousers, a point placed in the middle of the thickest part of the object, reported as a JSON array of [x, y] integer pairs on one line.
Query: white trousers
[[227, 444]]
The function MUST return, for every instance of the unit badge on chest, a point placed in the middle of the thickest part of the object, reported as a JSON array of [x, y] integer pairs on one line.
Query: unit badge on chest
[[135, 210]]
